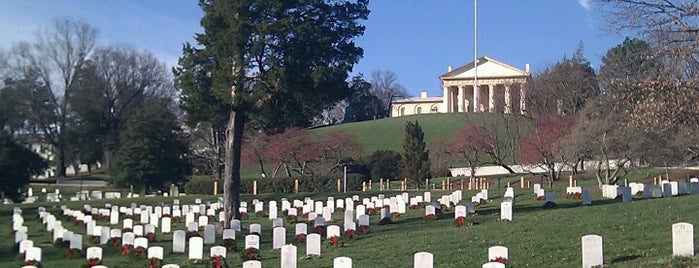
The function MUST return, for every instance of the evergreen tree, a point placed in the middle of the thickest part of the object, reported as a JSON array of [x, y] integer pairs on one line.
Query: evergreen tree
[[270, 64], [17, 165], [416, 159], [152, 153]]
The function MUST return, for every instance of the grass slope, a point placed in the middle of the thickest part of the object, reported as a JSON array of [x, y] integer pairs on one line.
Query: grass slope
[[636, 234], [389, 133]]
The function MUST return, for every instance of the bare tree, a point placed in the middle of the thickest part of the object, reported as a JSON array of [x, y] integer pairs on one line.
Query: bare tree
[[672, 24], [385, 86], [118, 81], [54, 57]]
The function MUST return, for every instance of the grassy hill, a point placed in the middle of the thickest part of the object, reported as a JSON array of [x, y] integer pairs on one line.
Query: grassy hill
[[636, 234], [389, 133]]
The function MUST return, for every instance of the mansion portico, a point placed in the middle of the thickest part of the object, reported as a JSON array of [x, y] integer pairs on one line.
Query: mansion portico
[[501, 89]]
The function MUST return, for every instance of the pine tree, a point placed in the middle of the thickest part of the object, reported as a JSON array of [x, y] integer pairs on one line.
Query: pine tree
[[416, 159]]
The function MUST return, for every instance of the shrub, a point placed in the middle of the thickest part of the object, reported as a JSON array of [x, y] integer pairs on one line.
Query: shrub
[[200, 186]]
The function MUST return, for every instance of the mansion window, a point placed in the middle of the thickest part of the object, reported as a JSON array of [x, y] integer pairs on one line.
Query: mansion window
[[419, 110]]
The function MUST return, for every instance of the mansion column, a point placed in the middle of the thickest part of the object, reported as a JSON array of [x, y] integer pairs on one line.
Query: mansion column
[[446, 99], [522, 99], [476, 99], [491, 98], [508, 100], [460, 100]]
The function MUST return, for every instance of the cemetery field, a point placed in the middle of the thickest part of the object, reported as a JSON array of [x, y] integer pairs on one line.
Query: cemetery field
[[635, 234]]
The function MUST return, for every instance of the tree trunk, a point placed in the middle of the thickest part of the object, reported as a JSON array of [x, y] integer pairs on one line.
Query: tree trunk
[[231, 183]]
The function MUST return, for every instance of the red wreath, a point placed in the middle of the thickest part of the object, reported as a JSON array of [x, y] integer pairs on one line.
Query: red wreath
[[350, 233], [394, 215], [333, 241], [363, 229], [502, 260], [115, 241], [413, 206], [125, 249], [93, 262], [369, 211], [153, 263], [151, 237], [460, 221], [139, 251], [300, 237], [429, 217], [217, 262], [319, 229]]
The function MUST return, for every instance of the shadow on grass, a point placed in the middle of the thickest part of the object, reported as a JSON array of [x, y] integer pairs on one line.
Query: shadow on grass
[[625, 258]]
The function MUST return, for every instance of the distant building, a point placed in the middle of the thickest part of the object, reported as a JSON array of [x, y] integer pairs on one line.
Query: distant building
[[500, 90]]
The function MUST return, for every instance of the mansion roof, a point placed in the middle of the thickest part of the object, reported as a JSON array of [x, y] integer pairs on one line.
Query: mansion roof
[[487, 68]]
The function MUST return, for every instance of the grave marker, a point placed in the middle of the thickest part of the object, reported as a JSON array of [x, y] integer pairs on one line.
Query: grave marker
[[196, 248], [592, 251], [288, 258], [683, 239], [178, 241], [313, 245], [423, 260], [278, 237]]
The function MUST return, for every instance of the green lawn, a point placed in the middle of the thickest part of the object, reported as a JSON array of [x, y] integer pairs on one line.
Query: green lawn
[[636, 234]]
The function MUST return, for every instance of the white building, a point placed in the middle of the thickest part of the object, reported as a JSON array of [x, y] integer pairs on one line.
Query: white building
[[500, 89]]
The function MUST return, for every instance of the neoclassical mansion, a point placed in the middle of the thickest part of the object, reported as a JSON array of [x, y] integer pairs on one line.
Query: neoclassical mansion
[[500, 90]]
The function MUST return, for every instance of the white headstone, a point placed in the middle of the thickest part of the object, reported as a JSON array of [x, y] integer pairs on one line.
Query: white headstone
[[683, 239], [140, 242], [155, 253], [166, 225], [209, 234], [592, 251], [459, 211], [256, 228], [288, 258], [251, 264], [196, 248], [93, 253], [313, 245], [203, 220], [76, 242], [497, 252], [105, 235], [33, 254], [138, 230], [506, 211], [333, 230], [252, 241], [429, 210], [301, 228], [217, 251], [178, 241], [423, 260], [493, 265], [24, 245], [278, 237], [342, 262]]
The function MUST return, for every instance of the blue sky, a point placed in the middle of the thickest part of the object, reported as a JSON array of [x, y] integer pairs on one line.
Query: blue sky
[[416, 39]]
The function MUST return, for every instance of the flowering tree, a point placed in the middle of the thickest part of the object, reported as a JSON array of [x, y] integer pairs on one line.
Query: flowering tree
[[537, 147], [337, 147]]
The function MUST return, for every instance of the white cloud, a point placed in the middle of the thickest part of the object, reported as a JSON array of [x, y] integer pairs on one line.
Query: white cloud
[[586, 4]]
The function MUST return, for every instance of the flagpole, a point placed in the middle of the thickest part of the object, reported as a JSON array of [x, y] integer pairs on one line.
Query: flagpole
[[476, 92]]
